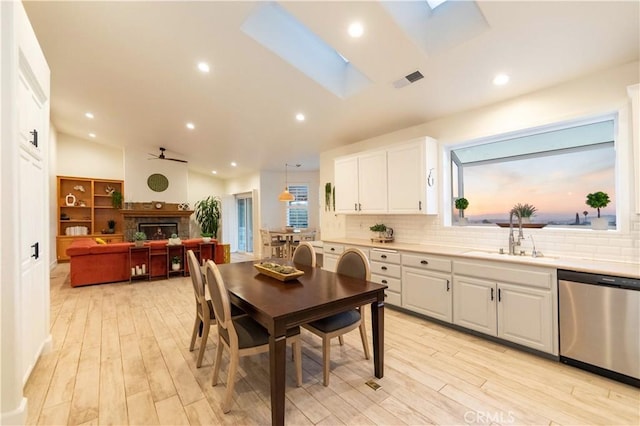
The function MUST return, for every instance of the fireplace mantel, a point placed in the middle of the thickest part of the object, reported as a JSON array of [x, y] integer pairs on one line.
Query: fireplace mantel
[[156, 213]]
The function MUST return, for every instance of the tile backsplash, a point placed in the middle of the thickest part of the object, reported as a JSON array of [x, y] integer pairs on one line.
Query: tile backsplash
[[580, 243]]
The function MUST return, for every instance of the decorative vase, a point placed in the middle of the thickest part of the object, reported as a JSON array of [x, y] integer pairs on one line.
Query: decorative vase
[[526, 220], [175, 241], [139, 243], [175, 266], [462, 221], [206, 239], [600, 223]]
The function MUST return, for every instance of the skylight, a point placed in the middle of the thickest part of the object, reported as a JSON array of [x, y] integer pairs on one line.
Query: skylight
[[278, 31], [435, 30]]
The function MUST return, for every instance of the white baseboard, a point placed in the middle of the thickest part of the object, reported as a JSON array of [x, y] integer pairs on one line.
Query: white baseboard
[[18, 416]]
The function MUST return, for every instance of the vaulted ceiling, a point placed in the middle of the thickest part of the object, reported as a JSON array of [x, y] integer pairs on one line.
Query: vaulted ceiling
[[134, 66]]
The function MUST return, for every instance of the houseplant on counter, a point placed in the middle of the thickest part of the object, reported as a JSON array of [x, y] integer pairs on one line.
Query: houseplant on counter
[[208, 212], [524, 212], [206, 237], [139, 238], [461, 204], [598, 200], [379, 228]]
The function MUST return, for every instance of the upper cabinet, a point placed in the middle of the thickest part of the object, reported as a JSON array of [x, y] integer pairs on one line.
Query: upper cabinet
[[634, 94], [400, 179], [361, 183]]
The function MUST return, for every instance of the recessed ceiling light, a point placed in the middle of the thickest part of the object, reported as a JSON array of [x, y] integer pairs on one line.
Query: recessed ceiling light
[[203, 66], [215, 172], [88, 114], [233, 164], [356, 29], [191, 126], [92, 135], [300, 116], [501, 79]]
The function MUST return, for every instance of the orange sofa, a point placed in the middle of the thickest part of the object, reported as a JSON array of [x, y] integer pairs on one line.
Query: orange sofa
[[93, 263]]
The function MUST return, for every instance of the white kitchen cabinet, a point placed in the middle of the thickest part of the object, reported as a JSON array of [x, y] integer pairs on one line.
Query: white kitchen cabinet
[[361, 183], [474, 304], [426, 285], [330, 254], [386, 269], [412, 170], [513, 302]]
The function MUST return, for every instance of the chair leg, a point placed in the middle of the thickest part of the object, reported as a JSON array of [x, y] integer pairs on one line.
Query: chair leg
[[196, 325], [297, 359], [203, 344], [363, 336], [326, 360], [216, 363], [231, 381]]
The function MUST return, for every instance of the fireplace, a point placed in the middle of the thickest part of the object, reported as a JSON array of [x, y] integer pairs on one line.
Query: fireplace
[[158, 231]]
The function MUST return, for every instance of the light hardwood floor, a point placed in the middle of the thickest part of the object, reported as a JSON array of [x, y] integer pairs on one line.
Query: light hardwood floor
[[121, 356]]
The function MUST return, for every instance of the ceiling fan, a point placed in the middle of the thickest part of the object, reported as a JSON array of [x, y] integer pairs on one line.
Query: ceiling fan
[[162, 157]]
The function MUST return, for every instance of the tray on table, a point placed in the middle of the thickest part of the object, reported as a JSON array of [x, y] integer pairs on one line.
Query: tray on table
[[278, 275]]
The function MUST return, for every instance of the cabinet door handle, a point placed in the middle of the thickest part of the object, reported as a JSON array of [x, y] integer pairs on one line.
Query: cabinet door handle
[[384, 256], [384, 281], [359, 207], [384, 268], [499, 294], [491, 294], [448, 287], [424, 262], [36, 250], [34, 142], [355, 206], [419, 205]]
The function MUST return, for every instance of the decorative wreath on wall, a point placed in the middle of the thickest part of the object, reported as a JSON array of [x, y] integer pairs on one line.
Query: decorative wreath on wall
[[157, 182]]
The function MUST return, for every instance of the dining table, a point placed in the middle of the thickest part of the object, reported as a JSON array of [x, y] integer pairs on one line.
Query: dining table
[[281, 305]]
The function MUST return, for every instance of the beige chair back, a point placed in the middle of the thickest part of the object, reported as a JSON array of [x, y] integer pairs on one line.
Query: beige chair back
[[198, 284], [354, 263], [305, 254], [221, 304]]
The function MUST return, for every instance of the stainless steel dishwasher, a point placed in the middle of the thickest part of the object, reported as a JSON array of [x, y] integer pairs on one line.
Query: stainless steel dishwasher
[[600, 324]]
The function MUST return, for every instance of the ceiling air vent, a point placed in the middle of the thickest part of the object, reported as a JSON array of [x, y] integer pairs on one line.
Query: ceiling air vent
[[408, 79]]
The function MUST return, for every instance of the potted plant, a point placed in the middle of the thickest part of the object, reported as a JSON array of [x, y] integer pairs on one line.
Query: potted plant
[[175, 263], [380, 228], [598, 200], [116, 199], [461, 204], [139, 238], [208, 212], [524, 212], [206, 237], [174, 240], [111, 227]]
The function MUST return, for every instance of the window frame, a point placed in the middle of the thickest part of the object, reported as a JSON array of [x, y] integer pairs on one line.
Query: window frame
[[290, 206], [621, 149]]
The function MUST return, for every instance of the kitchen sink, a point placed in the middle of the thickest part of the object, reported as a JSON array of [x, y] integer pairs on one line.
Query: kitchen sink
[[504, 256]]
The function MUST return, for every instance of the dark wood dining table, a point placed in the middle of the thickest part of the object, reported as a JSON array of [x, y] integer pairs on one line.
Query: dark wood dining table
[[279, 306]]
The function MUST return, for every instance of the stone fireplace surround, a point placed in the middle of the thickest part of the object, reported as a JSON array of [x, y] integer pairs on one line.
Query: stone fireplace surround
[[148, 214]]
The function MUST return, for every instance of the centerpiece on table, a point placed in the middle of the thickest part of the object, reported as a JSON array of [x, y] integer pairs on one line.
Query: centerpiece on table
[[278, 271]]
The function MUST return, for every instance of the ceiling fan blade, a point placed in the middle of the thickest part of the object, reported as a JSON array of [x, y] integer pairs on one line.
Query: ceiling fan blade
[[175, 159]]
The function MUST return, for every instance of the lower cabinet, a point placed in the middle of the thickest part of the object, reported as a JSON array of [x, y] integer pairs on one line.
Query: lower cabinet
[[517, 312], [330, 254], [428, 293]]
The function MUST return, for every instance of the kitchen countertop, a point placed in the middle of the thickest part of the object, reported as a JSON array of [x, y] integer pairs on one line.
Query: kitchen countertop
[[623, 269]]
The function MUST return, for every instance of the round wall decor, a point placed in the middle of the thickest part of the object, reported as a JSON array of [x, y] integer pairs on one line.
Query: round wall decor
[[157, 182]]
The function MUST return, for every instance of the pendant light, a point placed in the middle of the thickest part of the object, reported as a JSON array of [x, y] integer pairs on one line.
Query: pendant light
[[286, 195]]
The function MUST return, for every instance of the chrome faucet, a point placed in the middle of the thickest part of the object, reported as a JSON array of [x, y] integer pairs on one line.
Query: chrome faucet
[[512, 241]]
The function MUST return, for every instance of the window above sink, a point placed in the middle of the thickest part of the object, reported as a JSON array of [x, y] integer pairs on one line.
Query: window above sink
[[552, 167]]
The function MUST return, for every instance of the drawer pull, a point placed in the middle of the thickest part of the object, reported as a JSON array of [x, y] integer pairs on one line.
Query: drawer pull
[[491, 294], [384, 256], [384, 268], [384, 281], [424, 262], [332, 249], [448, 285]]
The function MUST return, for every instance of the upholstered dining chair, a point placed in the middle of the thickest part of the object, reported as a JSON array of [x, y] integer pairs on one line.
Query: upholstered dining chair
[[273, 248], [305, 254], [241, 336], [204, 309], [354, 263]]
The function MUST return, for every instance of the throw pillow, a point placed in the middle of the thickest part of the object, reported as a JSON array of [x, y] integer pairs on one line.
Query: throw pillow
[[100, 241]]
